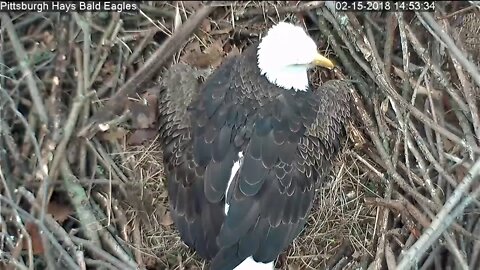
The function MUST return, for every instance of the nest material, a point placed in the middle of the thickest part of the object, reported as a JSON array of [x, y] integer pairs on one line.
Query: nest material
[[81, 176]]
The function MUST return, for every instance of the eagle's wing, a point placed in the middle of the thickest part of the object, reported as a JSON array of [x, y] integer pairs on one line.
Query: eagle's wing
[[285, 152], [197, 154], [285, 156]]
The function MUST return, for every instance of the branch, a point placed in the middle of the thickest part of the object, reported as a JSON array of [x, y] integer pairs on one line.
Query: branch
[[22, 59], [443, 219], [115, 106], [450, 45], [279, 10]]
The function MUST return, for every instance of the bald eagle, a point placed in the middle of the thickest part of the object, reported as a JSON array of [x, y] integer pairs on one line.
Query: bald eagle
[[245, 151]]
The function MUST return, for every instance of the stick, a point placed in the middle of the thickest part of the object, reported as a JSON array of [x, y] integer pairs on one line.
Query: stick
[[279, 10], [115, 106], [443, 219], [22, 59], [450, 45]]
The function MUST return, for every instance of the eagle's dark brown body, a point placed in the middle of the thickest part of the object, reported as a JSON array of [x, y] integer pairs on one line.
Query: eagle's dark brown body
[[288, 140]]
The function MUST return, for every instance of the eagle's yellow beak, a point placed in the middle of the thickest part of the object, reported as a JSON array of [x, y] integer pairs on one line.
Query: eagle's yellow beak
[[322, 61]]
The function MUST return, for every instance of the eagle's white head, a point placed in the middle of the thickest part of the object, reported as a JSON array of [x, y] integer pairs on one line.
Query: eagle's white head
[[286, 53]]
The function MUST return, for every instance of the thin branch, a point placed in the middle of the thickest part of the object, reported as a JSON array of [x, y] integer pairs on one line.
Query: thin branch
[[23, 61], [450, 45], [443, 219], [115, 106], [278, 10]]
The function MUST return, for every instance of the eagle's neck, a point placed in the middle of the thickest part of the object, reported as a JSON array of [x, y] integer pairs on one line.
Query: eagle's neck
[[290, 77]]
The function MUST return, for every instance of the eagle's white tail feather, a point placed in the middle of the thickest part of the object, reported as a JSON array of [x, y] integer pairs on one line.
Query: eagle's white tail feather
[[235, 168], [250, 264]]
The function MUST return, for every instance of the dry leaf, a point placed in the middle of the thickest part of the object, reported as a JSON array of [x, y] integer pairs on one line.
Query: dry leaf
[[214, 53], [152, 102], [166, 220], [49, 40], [192, 5], [37, 245], [448, 145], [113, 135], [163, 195], [384, 106], [108, 70], [150, 262], [206, 26], [293, 267], [140, 136], [415, 232], [60, 212], [144, 112], [192, 52], [233, 52], [460, 172], [211, 57]]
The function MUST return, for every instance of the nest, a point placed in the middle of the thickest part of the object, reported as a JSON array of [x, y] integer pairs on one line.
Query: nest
[[81, 177]]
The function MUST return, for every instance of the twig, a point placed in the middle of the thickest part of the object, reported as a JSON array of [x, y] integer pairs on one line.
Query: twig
[[475, 254], [372, 132], [382, 241], [81, 203], [107, 161], [426, 152], [110, 237], [71, 120], [387, 52], [466, 128], [137, 238], [423, 53], [54, 102], [85, 80], [383, 130], [353, 52], [86, 48], [106, 43], [369, 166], [97, 264], [55, 228], [113, 242], [141, 46], [17, 217], [23, 61], [279, 10], [362, 85], [420, 89], [58, 79], [389, 256], [443, 219], [29, 133], [115, 247], [6, 257], [470, 96], [452, 246], [102, 254], [115, 106], [456, 12], [365, 48], [70, 263], [450, 45]]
